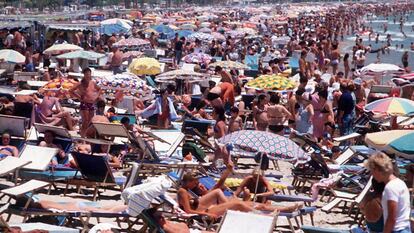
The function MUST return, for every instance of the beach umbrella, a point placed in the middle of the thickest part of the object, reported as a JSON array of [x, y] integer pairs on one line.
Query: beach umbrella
[[229, 65], [271, 83], [162, 28], [266, 142], [235, 33], [205, 24], [115, 25], [58, 87], [201, 36], [198, 58], [188, 26], [181, 33], [149, 31], [205, 30], [82, 54], [391, 106], [11, 56], [145, 66], [132, 42], [249, 31], [61, 48], [128, 83], [218, 36], [133, 54], [180, 74], [398, 142]]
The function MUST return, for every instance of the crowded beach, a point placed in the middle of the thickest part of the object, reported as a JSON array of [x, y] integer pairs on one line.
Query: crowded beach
[[224, 118]]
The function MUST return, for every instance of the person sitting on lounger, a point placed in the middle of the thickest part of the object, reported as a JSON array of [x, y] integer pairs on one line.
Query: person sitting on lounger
[[61, 157], [50, 112], [214, 204], [6, 149], [248, 186]]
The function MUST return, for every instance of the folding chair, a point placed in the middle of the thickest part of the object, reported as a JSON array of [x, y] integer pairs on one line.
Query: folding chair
[[63, 137], [16, 126], [246, 222], [95, 172]]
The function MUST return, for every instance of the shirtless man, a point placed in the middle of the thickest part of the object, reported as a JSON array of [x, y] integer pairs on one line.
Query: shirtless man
[[87, 91], [225, 76], [116, 61], [277, 115], [302, 63]]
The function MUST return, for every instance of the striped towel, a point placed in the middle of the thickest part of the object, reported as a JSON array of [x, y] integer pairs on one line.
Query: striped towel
[[139, 197]]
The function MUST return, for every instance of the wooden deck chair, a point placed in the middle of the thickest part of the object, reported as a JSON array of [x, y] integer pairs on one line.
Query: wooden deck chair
[[246, 222], [95, 172], [12, 164], [171, 139], [111, 130], [62, 135]]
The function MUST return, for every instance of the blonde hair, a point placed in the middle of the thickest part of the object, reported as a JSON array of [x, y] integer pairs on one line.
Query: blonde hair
[[380, 162]]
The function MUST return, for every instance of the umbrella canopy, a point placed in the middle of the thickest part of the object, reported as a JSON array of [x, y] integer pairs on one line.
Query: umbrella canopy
[[266, 142], [188, 26], [218, 36], [399, 142], [58, 87], [180, 74], [133, 54], [128, 83], [162, 28], [82, 54], [62, 48], [111, 26], [132, 42], [11, 56], [197, 58], [380, 68], [205, 30], [229, 65], [201, 36], [392, 106], [271, 83], [145, 66]]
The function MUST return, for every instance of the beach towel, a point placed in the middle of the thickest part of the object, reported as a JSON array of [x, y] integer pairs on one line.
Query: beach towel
[[156, 108], [139, 197]]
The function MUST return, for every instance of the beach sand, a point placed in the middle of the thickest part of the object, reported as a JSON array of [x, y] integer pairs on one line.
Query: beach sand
[[335, 219]]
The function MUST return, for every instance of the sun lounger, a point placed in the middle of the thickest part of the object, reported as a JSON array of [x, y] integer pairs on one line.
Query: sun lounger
[[27, 191], [246, 222], [15, 125], [39, 157], [171, 140], [341, 196], [63, 137], [347, 137], [110, 130], [312, 229], [95, 172]]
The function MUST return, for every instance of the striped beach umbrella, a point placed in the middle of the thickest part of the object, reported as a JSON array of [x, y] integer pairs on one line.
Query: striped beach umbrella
[[391, 106], [398, 142]]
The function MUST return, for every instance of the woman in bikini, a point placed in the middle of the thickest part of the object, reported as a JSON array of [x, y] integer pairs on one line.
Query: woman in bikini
[[277, 114], [219, 130], [163, 120], [214, 203], [260, 120], [327, 112], [6, 149]]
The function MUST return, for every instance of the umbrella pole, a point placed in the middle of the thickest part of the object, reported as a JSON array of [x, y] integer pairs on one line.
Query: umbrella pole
[[257, 180]]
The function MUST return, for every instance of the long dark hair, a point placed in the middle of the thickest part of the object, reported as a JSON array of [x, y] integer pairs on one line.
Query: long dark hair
[[220, 113]]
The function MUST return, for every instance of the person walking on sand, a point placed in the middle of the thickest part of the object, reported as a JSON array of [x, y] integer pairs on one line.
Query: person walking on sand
[[88, 92]]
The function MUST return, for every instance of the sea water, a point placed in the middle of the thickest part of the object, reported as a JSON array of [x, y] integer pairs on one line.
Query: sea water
[[397, 38]]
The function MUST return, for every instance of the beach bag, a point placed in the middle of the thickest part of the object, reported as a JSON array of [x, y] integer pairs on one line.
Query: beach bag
[[196, 151]]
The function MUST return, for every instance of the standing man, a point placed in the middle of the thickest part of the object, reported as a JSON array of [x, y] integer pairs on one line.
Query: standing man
[[346, 108], [178, 51], [116, 61], [87, 91]]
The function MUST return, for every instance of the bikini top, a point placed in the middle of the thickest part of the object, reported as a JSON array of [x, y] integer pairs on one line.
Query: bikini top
[[10, 150], [324, 110]]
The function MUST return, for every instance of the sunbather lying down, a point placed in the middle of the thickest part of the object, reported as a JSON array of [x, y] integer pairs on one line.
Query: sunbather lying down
[[214, 203], [170, 226], [41, 202]]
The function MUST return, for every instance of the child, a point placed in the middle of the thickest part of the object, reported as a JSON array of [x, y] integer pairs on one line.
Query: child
[[235, 122]]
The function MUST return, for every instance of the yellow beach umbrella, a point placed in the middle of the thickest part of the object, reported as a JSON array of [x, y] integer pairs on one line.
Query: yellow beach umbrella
[[271, 83], [145, 66]]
